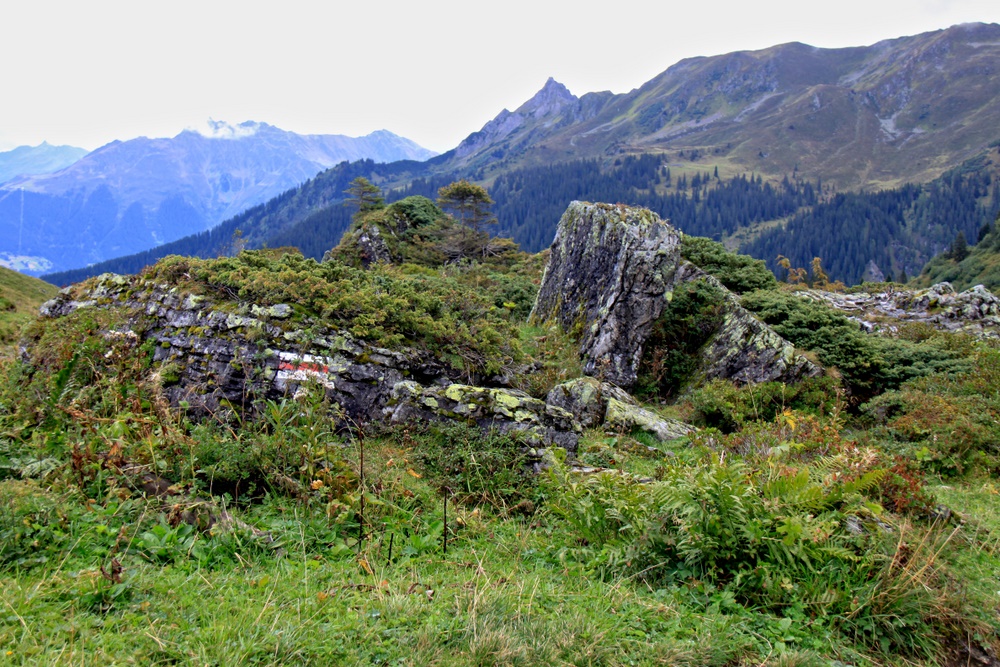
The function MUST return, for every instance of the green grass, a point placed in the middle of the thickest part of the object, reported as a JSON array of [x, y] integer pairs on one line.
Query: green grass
[[512, 588], [20, 297], [802, 535], [495, 600]]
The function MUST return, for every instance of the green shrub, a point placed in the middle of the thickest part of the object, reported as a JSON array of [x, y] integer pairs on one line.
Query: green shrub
[[418, 211], [721, 404], [739, 273], [290, 448], [947, 432], [688, 322], [869, 364]]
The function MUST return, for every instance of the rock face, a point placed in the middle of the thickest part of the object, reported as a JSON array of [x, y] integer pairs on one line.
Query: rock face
[[612, 272], [628, 417], [608, 275], [975, 311]]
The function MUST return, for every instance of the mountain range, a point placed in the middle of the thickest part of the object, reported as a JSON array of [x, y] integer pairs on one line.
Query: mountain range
[[131, 195], [799, 125], [33, 160], [902, 110]]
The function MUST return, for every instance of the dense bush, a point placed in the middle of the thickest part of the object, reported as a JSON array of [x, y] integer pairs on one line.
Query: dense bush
[[721, 404], [869, 364], [949, 423], [739, 273]]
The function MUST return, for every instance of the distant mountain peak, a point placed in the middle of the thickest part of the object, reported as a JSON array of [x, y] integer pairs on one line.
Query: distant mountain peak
[[220, 129], [33, 160], [551, 99]]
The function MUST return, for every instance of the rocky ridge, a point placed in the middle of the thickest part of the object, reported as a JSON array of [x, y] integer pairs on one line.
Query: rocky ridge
[[611, 274], [213, 358], [975, 311]]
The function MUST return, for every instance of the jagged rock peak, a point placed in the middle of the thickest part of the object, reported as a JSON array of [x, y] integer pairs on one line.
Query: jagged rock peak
[[552, 98]]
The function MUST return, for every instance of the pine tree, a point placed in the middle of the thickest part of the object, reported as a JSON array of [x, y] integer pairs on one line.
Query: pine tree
[[959, 248], [470, 201], [364, 195]]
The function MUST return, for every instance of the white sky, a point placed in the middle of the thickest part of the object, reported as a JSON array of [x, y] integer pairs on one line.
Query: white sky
[[85, 73]]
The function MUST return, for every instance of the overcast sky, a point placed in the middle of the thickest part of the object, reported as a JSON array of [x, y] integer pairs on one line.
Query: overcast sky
[[85, 73]]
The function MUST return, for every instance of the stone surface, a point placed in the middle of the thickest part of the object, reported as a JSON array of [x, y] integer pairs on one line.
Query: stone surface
[[611, 273], [506, 410], [628, 417], [586, 399], [372, 247], [872, 273]]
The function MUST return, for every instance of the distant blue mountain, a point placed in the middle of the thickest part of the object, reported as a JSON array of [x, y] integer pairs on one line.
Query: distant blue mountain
[[130, 196], [34, 160]]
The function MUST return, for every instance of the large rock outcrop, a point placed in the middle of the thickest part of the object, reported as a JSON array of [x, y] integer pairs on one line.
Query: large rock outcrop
[[612, 272], [217, 356], [608, 275]]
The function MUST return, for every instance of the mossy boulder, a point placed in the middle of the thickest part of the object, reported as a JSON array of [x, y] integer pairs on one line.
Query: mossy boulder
[[586, 398], [506, 410], [611, 275], [629, 417]]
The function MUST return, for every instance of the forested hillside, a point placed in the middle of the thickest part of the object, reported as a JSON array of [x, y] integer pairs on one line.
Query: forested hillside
[[900, 229]]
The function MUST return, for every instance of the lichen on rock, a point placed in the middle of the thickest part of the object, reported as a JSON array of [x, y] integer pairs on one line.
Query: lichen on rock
[[586, 398], [506, 410]]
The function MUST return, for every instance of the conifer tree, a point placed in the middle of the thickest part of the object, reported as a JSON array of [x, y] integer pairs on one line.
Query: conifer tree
[[364, 195], [959, 248], [471, 202]]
